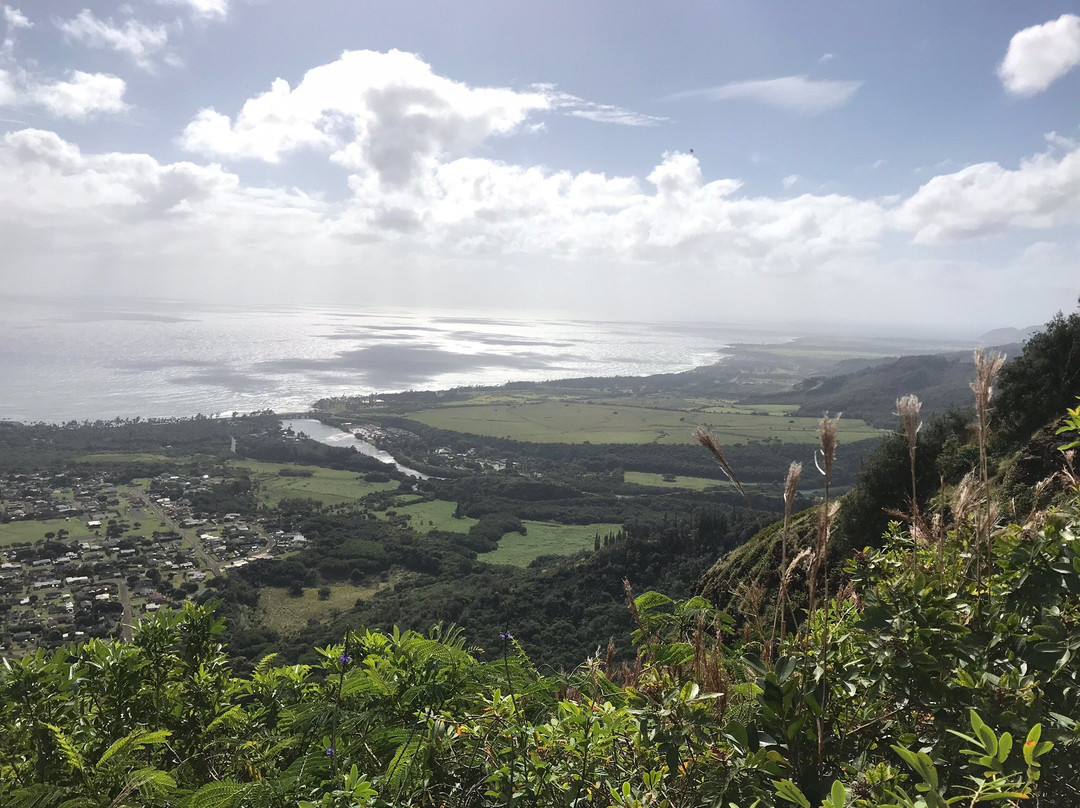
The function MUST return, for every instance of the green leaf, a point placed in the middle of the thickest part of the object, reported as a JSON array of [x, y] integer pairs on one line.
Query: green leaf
[[222, 794], [787, 790], [1005, 744], [651, 600], [1030, 744], [837, 796], [132, 742], [71, 754]]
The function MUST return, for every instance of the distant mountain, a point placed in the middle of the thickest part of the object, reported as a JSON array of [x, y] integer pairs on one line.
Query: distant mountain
[[940, 381], [1005, 336]]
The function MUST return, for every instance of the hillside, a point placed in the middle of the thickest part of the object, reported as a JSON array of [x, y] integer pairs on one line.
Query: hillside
[[941, 381]]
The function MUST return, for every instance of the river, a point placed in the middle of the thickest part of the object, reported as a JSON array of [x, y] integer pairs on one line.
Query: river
[[332, 436]]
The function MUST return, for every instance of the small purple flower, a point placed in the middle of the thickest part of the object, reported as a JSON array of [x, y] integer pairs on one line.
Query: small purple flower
[[344, 659], [506, 636], [330, 751]]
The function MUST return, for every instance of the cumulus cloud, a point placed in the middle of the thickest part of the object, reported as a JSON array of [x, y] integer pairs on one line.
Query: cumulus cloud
[[466, 208], [387, 112], [795, 93], [1040, 55], [82, 96], [488, 219], [141, 43], [986, 199]]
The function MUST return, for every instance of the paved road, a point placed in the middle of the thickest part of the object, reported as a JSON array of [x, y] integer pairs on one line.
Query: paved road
[[194, 542], [126, 633]]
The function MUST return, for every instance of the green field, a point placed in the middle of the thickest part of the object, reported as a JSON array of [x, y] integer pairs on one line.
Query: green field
[[288, 615], [545, 538], [136, 457], [32, 530], [329, 486], [432, 515], [556, 421], [689, 483]]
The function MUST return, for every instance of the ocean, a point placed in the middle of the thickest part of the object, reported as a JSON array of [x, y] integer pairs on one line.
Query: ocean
[[94, 358]]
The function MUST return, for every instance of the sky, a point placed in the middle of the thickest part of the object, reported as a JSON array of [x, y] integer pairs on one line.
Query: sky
[[902, 164]]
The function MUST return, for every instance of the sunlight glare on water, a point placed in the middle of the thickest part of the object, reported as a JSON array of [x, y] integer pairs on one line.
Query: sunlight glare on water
[[92, 358]]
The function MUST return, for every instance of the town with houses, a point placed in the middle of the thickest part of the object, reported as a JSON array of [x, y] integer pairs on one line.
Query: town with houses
[[84, 557]]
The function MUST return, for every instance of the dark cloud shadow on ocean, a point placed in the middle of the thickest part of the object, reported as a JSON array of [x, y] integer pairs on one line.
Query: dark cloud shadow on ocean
[[475, 321], [373, 334], [400, 333], [397, 366], [505, 339], [231, 380], [143, 365]]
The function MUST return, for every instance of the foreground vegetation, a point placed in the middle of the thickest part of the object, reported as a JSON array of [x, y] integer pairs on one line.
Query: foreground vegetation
[[944, 673]]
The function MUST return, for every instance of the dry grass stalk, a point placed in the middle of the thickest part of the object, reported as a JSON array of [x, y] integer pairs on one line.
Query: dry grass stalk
[[791, 488], [609, 660], [715, 680], [907, 409], [1036, 495], [965, 497], [987, 366], [750, 597], [705, 438], [1069, 475], [827, 434], [816, 557]]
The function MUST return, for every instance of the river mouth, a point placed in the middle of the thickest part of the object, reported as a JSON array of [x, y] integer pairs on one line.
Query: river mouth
[[332, 436]]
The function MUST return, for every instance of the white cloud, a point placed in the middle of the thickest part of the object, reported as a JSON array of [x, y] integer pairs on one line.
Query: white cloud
[[129, 206], [83, 95], [986, 199], [795, 93], [1040, 55], [138, 41], [15, 19], [673, 229], [382, 112], [208, 9], [790, 180], [826, 57], [385, 113]]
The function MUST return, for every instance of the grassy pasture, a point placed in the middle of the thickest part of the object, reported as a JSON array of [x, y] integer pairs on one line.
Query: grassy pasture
[[288, 615], [544, 538], [32, 530], [131, 457], [578, 422], [688, 483], [437, 512], [329, 486]]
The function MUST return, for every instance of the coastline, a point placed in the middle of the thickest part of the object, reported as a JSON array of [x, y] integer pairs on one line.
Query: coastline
[[789, 359]]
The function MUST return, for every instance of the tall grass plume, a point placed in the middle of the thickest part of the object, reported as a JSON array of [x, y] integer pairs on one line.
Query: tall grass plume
[[706, 439], [907, 409], [791, 489]]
